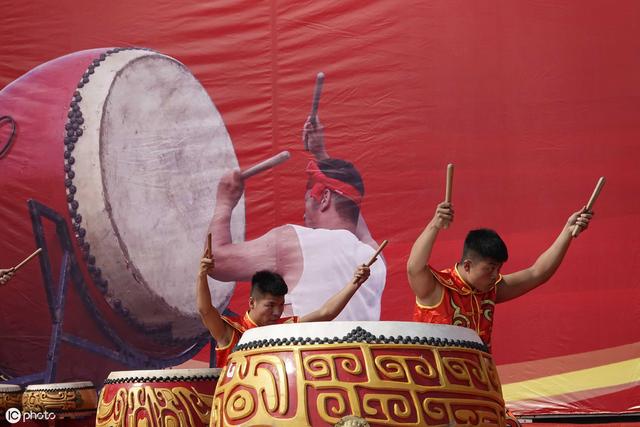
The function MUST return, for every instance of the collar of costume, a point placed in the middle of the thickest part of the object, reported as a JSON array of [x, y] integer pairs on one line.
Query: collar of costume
[[319, 182], [459, 285], [248, 321]]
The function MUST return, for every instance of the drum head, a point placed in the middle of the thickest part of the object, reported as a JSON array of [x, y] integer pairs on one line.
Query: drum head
[[337, 331], [60, 386], [163, 375], [149, 153]]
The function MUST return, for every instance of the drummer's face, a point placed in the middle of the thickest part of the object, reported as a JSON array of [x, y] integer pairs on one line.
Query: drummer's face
[[267, 309], [482, 273]]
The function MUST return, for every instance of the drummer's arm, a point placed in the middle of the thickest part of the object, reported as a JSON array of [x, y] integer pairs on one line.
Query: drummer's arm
[[239, 260], [336, 303], [523, 281], [313, 137], [210, 316], [278, 250], [421, 280]]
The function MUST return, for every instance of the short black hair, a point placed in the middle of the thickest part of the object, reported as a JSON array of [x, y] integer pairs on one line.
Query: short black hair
[[346, 172], [268, 282], [485, 243]]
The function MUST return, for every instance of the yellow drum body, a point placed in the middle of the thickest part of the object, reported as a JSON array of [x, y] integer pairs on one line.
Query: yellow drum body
[[68, 404], [389, 373], [172, 397], [10, 397]]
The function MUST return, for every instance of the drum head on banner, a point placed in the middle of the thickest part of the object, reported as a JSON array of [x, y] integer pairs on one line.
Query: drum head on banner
[[129, 148], [147, 162]]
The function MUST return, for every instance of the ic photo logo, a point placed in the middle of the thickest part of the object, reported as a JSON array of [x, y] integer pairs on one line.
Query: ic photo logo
[[14, 415]]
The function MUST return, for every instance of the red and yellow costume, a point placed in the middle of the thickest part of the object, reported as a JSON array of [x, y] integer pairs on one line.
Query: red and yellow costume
[[460, 305], [239, 326]]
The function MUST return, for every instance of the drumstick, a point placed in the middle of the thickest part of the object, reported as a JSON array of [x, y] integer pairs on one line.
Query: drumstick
[[591, 202], [209, 244], [315, 103], [375, 256], [449, 188], [26, 260], [316, 97], [265, 164]]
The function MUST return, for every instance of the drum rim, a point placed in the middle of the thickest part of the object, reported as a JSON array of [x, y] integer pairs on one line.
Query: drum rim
[[10, 388], [288, 335], [80, 385], [164, 375], [329, 329]]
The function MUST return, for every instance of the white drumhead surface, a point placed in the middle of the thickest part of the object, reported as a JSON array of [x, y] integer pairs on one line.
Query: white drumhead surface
[[340, 329], [166, 373], [9, 388], [59, 386], [147, 168]]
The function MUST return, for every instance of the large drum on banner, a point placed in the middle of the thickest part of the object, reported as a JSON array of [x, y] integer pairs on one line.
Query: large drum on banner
[[388, 373], [173, 397], [128, 147], [62, 404]]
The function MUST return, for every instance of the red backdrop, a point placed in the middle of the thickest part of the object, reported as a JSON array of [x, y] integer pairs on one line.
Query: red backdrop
[[532, 101]]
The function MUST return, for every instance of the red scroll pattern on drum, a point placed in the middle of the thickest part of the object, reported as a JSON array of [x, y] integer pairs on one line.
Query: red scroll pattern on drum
[[179, 397], [387, 384]]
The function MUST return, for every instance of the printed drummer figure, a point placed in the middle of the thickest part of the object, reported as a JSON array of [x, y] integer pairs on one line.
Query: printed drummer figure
[[6, 275], [266, 304], [466, 294], [9, 273], [317, 259]]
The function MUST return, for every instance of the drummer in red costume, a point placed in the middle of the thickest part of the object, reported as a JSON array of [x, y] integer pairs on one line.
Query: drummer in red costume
[[266, 304], [466, 294]]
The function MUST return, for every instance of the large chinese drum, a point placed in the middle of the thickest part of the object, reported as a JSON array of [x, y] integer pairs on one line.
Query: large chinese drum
[[62, 404], [127, 147], [172, 397], [389, 373]]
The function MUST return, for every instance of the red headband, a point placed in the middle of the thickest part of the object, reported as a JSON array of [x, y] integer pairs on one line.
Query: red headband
[[319, 182]]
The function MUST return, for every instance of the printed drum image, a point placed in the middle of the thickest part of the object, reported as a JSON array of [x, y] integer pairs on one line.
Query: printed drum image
[[127, 146]]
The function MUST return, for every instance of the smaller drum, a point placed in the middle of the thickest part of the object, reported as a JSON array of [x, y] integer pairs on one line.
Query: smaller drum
[[62, 404], [170, 397], [10, 397]]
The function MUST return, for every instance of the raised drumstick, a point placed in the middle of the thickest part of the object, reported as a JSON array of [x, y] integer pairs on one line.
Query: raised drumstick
[[315, 103], [209, 244], [592, 201], [449, 188], [27, 259], [316, 97], [265, 164], [375, 256]]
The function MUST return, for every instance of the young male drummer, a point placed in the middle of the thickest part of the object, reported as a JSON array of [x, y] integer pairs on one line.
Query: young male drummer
[[466, 294], [266, 304]]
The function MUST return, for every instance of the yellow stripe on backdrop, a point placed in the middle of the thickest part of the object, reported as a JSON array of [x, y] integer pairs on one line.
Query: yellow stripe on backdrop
[[610, 375]]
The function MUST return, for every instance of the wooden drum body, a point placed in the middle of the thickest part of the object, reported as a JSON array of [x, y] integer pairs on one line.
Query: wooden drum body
[[67, 404], [173, 397], [389, 373], [10, 397]]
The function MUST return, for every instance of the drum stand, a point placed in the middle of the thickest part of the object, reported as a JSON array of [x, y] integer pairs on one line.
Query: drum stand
[[69, 270]]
